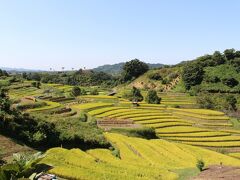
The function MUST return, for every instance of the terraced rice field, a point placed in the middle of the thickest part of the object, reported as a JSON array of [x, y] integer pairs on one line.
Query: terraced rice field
[[99, 97], [176, 99], [25, 91], [198, 127], [235, 155], [50, 105], [137, 160], [91, 106]]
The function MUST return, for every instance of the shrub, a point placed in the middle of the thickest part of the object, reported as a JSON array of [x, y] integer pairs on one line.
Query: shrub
[[230, 82], [76, 91], [74, 133], [236, 63], [94, 92], [83, 92], [165, 81], [173, 75], [135, 95], [31, 105], [200, 165], [155, 76], [205, 101], [83, 117], [231, 103], [152, 97], [144, 132], [38, 138], [36, 84], [212, 79], [195, 90], [116, 153]]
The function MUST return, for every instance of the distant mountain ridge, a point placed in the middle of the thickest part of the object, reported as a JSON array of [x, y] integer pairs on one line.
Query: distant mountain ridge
[[117, 68], [19, 69]]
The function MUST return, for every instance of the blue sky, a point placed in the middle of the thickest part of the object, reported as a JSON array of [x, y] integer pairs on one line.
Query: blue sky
[[87, 33]]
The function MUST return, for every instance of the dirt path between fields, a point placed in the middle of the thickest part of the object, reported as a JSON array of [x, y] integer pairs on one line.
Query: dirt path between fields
[[217, 172]]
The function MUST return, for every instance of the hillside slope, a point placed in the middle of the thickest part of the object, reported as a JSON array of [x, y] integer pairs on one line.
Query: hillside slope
[[116, 69], [137, 160], [163, 80]]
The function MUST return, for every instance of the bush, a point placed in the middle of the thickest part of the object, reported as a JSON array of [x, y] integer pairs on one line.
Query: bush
[[76, 91], [152, 97], [36, 84], [200, 165], [83, 92], [116, 153], [31, 105], [205, 101], [230, 82], [94, 92], [74, 133], [135, 95], [212, 79], [155, 76], [195, 90], [231, 103], [144, 132], [165, 81], [83, 117], [236, 63]]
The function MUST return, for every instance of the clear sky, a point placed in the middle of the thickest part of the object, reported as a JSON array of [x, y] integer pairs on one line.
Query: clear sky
[[40, 34]]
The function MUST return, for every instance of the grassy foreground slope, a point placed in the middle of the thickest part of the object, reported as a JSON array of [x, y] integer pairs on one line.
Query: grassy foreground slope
[[139, 159]]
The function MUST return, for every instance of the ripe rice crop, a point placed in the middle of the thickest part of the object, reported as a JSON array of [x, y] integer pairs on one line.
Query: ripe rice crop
[[109, 113], [88, 106], [140, 159], [176, 103], [202, 116], [206, 139], [180, 129], [195, 134], [168, 124], [199, 111], [98, 97], [231, 131], [104, 110], [154, 121], [152, 118], [139, 113], [217, 124], [215, 144], [235, 155], [50, 105]]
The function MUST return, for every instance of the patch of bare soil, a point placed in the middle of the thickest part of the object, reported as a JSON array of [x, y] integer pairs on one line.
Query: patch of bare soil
[[217, 172], [8, 147]]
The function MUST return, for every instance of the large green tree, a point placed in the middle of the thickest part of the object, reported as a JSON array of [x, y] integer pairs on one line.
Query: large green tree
[[134, 69], [192, 74]]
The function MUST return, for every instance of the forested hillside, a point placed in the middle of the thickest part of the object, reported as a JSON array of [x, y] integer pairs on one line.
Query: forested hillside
[[116, 69]]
